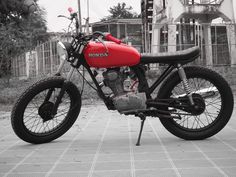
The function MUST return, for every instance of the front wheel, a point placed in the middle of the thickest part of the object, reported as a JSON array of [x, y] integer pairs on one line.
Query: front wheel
[[32, 119], [218, 104]]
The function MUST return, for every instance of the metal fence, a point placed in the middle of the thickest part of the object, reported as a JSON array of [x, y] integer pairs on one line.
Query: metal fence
[[202, 2], [217, 43], [43, 60]]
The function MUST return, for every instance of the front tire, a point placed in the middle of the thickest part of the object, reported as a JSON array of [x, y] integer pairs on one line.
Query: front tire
[[29, 114], [218, 110]]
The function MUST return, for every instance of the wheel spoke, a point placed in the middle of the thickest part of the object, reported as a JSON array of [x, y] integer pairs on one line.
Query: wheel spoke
[[34, 122], [212, 104]]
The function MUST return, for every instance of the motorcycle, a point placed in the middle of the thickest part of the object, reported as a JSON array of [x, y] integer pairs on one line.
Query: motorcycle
[[192, 103]]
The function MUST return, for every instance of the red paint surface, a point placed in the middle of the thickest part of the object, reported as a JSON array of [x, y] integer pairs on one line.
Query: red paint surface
[[118, 55]]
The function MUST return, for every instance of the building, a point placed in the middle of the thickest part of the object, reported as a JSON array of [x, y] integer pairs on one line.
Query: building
[[171, 25], [129, 30]]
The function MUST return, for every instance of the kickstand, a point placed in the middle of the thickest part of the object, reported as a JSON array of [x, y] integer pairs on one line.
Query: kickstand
[[143, 118]]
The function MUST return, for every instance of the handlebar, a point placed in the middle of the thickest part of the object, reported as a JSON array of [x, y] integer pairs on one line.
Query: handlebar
[[73, 16], [107, 36]]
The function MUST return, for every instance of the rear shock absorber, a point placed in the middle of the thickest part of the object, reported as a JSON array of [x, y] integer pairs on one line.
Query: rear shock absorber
[[184, 80]]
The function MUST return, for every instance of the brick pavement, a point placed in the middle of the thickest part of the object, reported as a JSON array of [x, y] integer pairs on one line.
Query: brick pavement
[[102, 144]]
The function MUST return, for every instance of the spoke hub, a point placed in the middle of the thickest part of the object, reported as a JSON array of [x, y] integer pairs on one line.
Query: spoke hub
[[196, 109], [45, 111], [199, 105]]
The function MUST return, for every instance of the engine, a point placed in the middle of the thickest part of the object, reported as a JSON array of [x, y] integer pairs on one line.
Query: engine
[[123, 100]]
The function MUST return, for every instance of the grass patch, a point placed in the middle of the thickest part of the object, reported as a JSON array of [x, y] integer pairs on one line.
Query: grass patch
[[9, 92]]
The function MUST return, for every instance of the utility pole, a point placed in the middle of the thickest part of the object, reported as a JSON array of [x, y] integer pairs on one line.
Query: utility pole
[[87, 19], [79, 13]]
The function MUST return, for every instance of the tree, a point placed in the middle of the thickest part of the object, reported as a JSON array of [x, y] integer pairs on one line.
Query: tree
[[20, 30], [121, 11]]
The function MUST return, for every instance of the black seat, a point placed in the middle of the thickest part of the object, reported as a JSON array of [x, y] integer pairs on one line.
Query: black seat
[[182, 57]]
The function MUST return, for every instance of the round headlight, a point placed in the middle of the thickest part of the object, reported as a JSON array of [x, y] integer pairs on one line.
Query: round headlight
[[61, 50]]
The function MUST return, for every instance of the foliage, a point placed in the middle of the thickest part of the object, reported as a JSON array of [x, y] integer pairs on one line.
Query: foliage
[[20, 30], [121, 11]]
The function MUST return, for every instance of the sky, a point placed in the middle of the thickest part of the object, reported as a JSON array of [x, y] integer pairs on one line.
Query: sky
[[98, 10]]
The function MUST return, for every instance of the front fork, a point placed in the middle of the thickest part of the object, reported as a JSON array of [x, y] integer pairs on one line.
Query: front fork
[[184, 80], [63, 89]]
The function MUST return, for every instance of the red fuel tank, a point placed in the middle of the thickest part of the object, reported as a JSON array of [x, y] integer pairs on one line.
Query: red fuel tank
[[111, 54]]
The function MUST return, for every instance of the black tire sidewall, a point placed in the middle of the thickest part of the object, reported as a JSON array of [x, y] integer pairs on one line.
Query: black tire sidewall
[[226, 109], [19, 108]]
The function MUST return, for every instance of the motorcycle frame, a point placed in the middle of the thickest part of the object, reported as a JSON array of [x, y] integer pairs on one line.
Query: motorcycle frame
[[140, 73], [79, 60], [138, 70]]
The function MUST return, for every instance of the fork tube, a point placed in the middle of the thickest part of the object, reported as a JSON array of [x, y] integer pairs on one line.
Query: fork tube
[[72, 69], [58, 73], [62, 91], [183, 78], [59, 70]]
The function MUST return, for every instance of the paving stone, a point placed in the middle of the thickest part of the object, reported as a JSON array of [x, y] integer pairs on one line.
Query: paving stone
[[81, 150], [113, 157], [152, 164], [231, 142], [75, 167], [111, 166], [15, 153], [77, 158], [200, 172], [192, 163], [4, 168], [114, 150], [8, 142], [148, 148], [52, 153], [221, 154], [150, 156], [229, 162], [230, 171], [27, 175], [121, 173], [178, 145], [186, 155], [156, 173], [40, 159], [69, 174], [56, 145], [24, 147], [114, 153], [27, 168], [212, 144], [10, 160]]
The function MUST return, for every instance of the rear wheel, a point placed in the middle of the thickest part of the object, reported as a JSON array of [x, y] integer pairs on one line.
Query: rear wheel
[[32, 119], [218, 104]]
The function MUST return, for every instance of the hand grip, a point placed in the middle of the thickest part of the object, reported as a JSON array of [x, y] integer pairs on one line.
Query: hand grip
[[109, 37]]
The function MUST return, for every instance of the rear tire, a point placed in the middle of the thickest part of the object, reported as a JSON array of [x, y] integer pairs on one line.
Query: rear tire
[[218, 110], [25, 118]]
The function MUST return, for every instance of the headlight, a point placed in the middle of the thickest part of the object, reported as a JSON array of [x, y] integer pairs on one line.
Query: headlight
[[61, 50]]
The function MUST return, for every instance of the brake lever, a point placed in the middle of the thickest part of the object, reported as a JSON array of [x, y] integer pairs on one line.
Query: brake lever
[[103, 43], [63, 16]]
